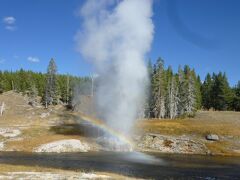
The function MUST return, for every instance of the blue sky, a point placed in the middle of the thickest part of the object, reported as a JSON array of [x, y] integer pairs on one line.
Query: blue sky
[[204, 34]]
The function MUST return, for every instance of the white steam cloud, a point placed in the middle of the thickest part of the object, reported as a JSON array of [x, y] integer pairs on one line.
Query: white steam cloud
[[115, 37]]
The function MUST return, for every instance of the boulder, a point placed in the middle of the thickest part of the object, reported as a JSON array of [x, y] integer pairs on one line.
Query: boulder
[[212, 137]]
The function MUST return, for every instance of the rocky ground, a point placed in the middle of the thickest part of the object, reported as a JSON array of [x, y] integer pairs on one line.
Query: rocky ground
[[170, 144], [52, 176]]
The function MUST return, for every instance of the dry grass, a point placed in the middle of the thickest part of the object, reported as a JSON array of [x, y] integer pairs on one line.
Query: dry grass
[[36, 136], [224, 124], [221, 123], [21, 168], [224, 148], [35, 130]]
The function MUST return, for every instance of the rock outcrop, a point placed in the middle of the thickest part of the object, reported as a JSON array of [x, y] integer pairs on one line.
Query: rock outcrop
[[170, 144], [70, 145]]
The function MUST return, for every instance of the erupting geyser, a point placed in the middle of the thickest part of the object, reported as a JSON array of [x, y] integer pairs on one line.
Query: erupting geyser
[[115, 37]]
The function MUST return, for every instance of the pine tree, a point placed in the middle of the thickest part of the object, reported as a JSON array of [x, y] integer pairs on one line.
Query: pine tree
[[228, 93], [182, 87], [173, 99], [198, 85], [221, 92], [168, 81], [191, 97], [236, 98], [206, 90], [26, 82], [1, 82], [40, 83], [159, 109], [21, 85], [33, 93], [51, 96]]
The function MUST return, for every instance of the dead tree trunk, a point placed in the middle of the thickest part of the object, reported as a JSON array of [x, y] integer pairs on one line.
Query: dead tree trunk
[[2, 109]]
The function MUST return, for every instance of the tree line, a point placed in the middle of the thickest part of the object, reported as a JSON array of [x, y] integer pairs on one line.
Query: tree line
[[218, 95], [51, 87], [170, 95], [181, 94]]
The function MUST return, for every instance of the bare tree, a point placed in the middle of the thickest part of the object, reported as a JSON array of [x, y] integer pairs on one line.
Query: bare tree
[[191, 97], [2, 108]]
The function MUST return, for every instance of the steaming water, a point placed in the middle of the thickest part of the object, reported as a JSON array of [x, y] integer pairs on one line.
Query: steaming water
[[115, 37]]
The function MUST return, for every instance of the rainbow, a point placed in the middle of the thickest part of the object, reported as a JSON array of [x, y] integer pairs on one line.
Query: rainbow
[[100, 124]]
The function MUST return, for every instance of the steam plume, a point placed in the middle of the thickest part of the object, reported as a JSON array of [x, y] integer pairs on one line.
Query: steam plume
[[115, 37]]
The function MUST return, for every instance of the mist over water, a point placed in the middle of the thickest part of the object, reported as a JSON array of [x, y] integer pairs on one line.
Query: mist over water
[[115, 37]]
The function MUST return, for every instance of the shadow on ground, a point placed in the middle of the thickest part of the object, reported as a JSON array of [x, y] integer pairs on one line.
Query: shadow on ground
[[73, 125]]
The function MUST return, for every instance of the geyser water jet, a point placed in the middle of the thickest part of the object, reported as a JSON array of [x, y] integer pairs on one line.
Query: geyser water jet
[[115, 37]]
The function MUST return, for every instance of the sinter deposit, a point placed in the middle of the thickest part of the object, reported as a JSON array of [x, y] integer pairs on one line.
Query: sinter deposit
[[70, 145]]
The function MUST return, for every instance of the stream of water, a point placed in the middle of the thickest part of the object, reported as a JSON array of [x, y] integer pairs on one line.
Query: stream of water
[[155, 166]]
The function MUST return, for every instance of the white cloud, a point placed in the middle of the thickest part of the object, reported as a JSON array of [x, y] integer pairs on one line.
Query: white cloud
[[10, 28], [33, 59], [2, 61], [9, 20], [9, 23]]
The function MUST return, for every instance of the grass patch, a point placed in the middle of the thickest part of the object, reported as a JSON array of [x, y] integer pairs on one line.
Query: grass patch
[[22, 168], [201, 125]]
